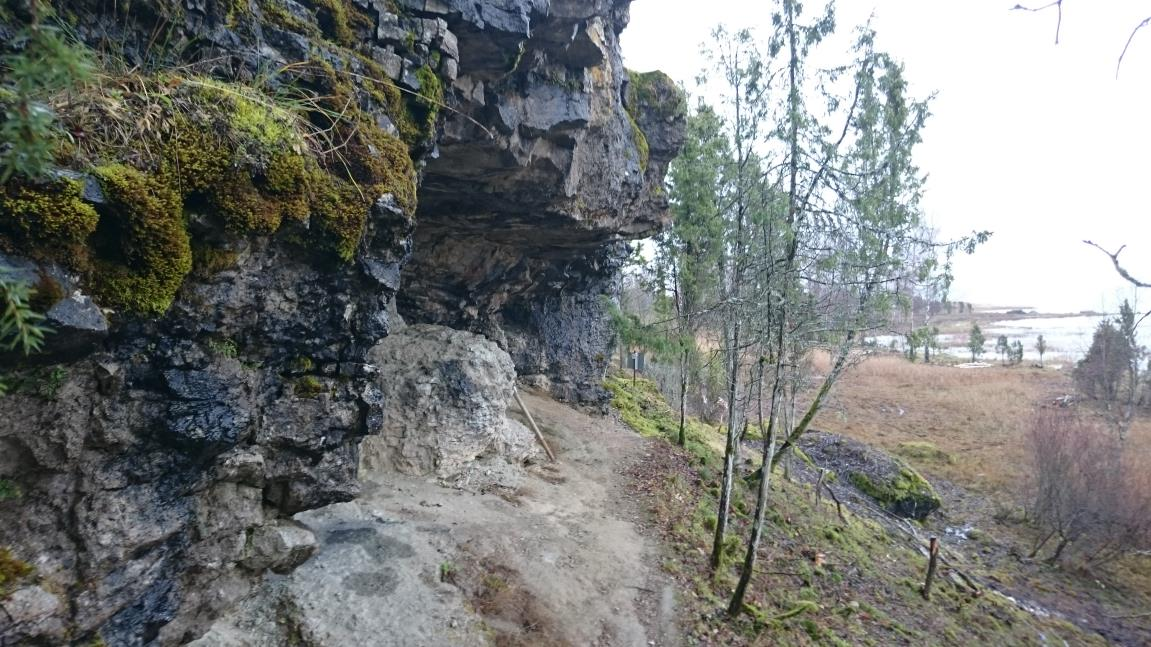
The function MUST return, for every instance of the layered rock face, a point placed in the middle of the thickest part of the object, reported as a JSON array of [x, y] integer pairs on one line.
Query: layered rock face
[[149, 464], [550, 159]]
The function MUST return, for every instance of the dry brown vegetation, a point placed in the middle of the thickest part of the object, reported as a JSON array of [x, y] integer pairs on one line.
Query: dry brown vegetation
[[971, 428], [979, 418]]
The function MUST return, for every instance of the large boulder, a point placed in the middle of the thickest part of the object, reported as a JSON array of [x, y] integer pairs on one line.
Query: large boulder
[[446, 395], [891, 482]]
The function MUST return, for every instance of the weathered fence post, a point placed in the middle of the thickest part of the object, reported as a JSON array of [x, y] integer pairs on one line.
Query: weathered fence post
[[932, 562]]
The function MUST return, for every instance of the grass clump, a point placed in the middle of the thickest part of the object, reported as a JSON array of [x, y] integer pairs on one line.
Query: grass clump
[[924, 451], [225, 348], [448, 571]]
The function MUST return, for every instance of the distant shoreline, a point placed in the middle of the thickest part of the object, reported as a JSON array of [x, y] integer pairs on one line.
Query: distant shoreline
[[1001, 313]]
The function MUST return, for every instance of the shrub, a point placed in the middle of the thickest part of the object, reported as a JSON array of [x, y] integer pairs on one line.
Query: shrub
[[1086, 494]]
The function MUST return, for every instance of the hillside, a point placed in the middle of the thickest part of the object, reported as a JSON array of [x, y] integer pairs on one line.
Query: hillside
[[855, 579]]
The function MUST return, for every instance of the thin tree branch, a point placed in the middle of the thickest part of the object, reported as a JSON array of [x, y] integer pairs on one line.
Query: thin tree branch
[[1058, 4], [1146, 21], [1119, 268]]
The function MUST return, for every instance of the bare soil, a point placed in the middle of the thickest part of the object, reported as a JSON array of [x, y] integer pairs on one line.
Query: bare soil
[[564, 558]]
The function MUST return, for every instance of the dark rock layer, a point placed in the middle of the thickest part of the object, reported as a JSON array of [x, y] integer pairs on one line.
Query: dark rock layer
[[538, 180], [155, 461]]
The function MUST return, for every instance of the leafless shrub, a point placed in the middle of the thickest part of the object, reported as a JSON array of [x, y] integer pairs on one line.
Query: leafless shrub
[[1086, 494]]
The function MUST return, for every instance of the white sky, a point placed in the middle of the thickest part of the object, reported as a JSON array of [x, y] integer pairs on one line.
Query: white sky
[[1036, 142]]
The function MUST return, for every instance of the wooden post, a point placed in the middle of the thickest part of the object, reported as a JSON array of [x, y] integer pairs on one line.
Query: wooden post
[[535, 428], [933, 561]]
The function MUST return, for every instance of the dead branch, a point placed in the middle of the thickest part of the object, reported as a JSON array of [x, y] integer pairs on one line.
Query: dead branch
[[838, 505], [1146, 21], [1115, 258], [539, 434], [1058, 4]]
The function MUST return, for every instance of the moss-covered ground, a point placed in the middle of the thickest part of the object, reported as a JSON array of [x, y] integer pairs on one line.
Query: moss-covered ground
[[821, 580]]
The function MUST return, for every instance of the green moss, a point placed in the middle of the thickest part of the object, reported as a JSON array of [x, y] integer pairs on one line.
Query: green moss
[[254, 123], [308, 386], [234, 10], [907, 493], [340, 210], [242, 207], [657, 94], [285, 184], [925, 451], [407, 111], [195, 158], [203, 158], [370, 163], [12, 571], [9, 490], [641, 145], [643, 408], [239, 155], [146, 251], [276, 14], [431, 96], [378, 161], [209, 261], [285, 173], [49, 215], [224, 347], [340, 19]]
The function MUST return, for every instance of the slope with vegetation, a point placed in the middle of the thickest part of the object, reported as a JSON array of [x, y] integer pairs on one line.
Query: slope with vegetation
[[823, 578]]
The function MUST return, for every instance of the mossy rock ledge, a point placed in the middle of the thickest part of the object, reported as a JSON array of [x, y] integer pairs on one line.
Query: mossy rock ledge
[[892, 483]]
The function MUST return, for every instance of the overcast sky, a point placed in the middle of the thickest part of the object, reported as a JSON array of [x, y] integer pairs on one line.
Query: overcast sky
[[1039, 143]]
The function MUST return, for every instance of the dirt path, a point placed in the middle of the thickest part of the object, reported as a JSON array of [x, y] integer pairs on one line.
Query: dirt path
[[561, 560]]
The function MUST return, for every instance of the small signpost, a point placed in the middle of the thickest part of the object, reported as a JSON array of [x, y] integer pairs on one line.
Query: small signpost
[[638, 360]]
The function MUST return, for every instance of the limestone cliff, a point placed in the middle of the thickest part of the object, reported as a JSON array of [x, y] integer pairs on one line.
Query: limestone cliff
[[233, 216]]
